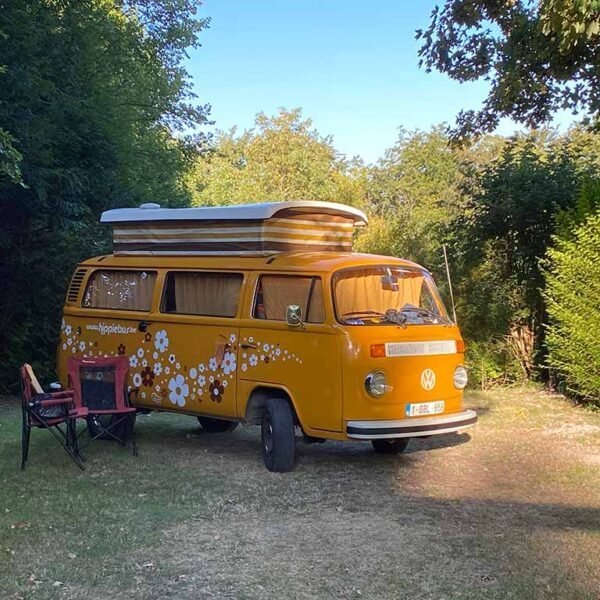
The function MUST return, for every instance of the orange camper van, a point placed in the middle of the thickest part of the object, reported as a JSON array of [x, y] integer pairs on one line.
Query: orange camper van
[[262, 314]]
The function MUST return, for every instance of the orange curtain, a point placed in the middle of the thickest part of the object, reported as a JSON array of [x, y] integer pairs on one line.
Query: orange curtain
[[361, 290], [120, 290], [280, 292], [210, 294]]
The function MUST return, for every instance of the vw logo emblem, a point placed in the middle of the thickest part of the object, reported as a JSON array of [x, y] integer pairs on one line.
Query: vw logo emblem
[[428, 379]]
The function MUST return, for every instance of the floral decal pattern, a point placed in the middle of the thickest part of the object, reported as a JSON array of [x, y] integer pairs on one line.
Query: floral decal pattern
[[161, 378]]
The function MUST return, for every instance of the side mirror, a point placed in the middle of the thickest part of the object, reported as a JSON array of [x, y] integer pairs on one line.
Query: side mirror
[[293, 316]]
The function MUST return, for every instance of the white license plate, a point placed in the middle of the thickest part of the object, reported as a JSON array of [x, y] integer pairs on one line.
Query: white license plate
[[425, 408]]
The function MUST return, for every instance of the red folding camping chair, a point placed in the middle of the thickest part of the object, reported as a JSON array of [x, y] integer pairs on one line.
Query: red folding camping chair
[[56, 412], [100, 385]]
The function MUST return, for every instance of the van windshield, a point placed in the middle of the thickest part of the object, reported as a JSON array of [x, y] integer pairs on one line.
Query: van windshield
[[387, 296]]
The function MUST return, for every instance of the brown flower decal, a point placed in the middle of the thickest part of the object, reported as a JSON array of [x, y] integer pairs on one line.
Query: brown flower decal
[[147, 377], [121, 349], [164, 393], [267, 359], [148, 337], [216, 391]]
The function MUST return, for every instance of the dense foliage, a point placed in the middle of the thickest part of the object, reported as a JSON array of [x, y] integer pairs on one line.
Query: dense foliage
[[91, 94], [539, 57], [282, 158], [572, 294], [94, 109]]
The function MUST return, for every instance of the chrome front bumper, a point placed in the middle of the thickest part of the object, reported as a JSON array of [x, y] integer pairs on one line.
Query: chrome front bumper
[[414, 427]]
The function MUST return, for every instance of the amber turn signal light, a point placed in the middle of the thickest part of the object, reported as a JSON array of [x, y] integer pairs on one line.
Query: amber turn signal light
[[460, 346], [377, 350]]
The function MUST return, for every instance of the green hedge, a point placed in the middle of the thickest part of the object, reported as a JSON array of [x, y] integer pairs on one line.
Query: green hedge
[[573, 297]]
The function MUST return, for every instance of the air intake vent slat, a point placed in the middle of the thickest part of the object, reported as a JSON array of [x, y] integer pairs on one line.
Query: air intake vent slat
[[75, 285]]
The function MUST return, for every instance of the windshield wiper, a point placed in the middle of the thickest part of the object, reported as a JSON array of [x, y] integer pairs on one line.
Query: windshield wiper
[[358, 313]]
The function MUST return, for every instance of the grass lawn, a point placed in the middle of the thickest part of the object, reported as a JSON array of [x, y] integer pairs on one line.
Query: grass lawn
[[510, 510]]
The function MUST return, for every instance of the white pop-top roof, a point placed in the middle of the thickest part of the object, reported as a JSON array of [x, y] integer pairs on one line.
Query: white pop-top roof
[[241, 212]]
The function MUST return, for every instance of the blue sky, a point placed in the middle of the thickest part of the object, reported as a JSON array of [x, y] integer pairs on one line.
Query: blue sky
[[351, 65]]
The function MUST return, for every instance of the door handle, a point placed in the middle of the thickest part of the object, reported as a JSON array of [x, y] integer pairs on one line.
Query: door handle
[[248, 345], [143, 326]]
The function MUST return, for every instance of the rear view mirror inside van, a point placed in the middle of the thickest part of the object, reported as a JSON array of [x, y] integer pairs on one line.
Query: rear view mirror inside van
[[390, 283]]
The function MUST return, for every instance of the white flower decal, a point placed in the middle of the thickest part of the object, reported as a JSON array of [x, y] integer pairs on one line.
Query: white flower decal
[[232, 338], [171, 358], [201, 368], [228, 364], [64, 346], [266, 348], [81, 346], [137, 380], [133, 361], [193, 373], [161, 341], [157, 388], [144, 363], [69, 341], [211, 379], [157, 368], [68, 330], [140, 352], [177, 366], [244, 367], [201, 381], [277, 351], [224, 383], [253, 360], [167, 370], [179, 390], [212, 364]]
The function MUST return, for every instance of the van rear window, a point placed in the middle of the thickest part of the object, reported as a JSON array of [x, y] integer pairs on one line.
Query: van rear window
[[120, 290], [202, 293]]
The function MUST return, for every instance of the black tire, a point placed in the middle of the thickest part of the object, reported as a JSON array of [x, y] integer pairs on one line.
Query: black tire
[[211, 425], [124, 430], [390, 446], [278, 438]]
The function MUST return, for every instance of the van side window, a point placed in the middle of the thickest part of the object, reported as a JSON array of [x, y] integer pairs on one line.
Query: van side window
[[207, 294], [120, 290], [276, 292]]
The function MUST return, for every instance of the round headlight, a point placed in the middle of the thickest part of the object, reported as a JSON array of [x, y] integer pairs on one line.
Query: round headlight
[[460, 378], [376, 384]]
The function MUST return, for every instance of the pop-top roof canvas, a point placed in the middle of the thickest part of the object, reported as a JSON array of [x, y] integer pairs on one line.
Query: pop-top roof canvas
[[244, 230]]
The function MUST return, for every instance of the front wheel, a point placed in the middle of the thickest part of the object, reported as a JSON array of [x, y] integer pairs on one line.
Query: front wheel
[[390, 446], [278, 436], [211, 425]]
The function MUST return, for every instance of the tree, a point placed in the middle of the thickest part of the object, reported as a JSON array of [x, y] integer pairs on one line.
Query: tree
[[573, 288], [94, 97], [282, 158], [539, 57]]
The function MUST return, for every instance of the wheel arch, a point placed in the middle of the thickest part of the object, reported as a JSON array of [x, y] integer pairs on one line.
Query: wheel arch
[[258, 397]]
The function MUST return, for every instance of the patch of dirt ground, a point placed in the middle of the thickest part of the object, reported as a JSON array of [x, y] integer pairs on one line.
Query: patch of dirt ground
[[509, 510]]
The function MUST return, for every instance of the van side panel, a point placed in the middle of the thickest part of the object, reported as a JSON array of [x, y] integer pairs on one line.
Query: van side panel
[[180, 363]]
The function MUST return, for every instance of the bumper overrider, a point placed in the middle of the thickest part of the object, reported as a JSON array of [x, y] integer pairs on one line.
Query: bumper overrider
[[413, 427]]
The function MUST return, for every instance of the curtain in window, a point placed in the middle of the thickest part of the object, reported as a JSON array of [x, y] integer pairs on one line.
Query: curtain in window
[[280, 292], [207, 293], [361, 290], [121, 290]]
